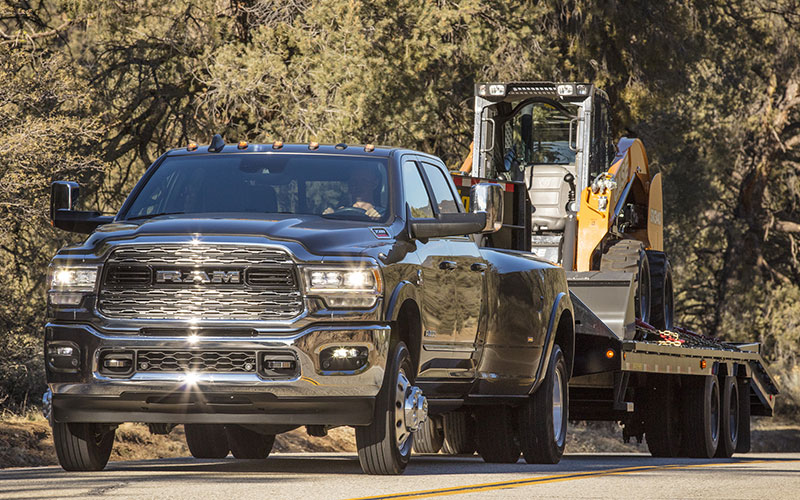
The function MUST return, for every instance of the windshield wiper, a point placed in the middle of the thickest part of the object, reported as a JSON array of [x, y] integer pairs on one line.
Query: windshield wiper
[[150, 216]]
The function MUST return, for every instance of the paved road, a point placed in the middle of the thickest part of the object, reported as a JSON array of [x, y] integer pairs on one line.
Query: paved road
[[337, 476]]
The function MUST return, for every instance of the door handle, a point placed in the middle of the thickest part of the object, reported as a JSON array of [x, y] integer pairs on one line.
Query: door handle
[[448, 265], [478, 267]]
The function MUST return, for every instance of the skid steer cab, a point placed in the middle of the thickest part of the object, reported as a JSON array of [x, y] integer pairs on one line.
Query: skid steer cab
[[593, 204]]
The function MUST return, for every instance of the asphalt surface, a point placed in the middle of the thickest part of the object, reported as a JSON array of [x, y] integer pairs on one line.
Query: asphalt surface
[[338, 476]]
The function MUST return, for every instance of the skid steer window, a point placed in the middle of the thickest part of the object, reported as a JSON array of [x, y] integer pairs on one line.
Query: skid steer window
[[538, 134]]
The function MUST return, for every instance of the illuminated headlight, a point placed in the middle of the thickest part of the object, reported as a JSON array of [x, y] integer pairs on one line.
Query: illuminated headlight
[[497, 90], [566, 90], [344, 287], [67, 285]]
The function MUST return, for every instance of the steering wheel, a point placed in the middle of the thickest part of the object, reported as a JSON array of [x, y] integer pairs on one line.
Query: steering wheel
[[353, 210]]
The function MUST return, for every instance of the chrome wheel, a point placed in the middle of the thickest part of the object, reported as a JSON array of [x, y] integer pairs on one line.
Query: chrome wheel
[[558, 407], [410, 410]]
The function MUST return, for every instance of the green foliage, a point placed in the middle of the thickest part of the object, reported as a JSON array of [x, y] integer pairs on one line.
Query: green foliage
[[95, 91]]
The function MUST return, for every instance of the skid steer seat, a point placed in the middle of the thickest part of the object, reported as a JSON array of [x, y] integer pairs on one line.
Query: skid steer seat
[[549, 194]]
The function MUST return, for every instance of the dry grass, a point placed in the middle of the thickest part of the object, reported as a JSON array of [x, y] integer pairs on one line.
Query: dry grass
[[26, 441]]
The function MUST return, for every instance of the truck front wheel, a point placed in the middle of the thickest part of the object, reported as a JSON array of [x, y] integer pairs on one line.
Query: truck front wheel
[[248, 444], [384, 446], [82, 447], [207, 440], [543, 417]]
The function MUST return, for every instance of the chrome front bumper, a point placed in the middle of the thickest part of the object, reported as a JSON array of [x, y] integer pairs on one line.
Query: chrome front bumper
[[313, 396]]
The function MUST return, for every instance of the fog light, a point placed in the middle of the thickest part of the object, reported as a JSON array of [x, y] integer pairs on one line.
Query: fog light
[[345, 358], [277, 364], [63, 357], [116, 363]]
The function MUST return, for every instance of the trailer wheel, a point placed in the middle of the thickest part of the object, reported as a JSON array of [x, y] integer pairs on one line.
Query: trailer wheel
[[729, 416], [702, 410], [384, 446], [497, 440], [543, 417], [82, 447], [629, 256], [661, 307], [662, 421], [206, 440], [743, 446], [459, 433], [248, 444], [430, 437]]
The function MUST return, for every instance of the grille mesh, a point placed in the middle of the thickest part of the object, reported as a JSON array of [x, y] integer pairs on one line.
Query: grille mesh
[[269, 290], [201, 361]]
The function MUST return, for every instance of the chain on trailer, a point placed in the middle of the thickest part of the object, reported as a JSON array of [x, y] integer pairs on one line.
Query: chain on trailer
[[679, 337]]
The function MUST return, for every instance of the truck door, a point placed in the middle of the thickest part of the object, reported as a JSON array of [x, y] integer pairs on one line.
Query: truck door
[[466, 273], [438, 313]]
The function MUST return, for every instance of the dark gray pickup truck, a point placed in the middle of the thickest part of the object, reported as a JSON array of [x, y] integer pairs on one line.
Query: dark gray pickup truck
[[246, 290]]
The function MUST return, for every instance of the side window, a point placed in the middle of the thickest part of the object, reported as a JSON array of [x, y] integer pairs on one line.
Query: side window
[[600, 157], [415, 192], [442, 194]]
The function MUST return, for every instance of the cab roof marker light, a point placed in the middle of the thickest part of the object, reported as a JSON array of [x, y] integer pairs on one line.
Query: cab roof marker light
[[277, 145], [369, 148], [192, 146], [313, 146], [242, 144]]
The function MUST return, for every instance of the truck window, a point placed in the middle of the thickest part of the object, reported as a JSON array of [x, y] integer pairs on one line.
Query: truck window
[[442, 194], [415, 192], [343, 187]]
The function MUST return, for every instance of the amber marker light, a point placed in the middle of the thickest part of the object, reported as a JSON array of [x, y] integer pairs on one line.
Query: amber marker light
[[277, 145], [703, 364], [242, 144], [313, 146], [610, 353], [192, 146], [369, 148]]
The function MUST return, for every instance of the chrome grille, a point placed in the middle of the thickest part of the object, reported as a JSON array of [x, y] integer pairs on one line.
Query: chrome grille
[[196, 361], [269, 290]]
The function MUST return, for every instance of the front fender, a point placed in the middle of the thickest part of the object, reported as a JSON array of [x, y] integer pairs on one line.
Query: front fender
[[405, 290], [561, 304]]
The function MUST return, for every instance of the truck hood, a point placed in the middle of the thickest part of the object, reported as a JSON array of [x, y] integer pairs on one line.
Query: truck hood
[[319, 235]]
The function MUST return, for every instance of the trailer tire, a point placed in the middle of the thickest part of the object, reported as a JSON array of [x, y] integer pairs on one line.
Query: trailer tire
[[206, 440], [430, 437], [629, 256], [247, 444], [459, 433], [743, 446], [379, 449], [82, 447], [702, 410], [543, 417], [662, 309], [729, 418], [497, 434], [662, 421]]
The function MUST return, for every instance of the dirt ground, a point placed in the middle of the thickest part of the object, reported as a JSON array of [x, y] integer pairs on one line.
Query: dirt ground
[[26, 441]]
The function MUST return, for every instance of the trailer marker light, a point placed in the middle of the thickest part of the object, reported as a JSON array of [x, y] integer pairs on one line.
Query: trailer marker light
[[192, 146], [703, 364], [610, 353], [277, 145]]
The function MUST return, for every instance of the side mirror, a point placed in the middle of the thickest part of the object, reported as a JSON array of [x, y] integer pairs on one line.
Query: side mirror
[[447, 225], [488, 198], [63, 196]]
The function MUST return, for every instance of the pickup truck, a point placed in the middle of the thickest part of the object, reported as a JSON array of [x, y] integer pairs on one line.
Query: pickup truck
[[246, 290]]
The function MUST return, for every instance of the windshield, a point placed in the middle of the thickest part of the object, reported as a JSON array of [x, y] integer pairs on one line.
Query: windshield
[[341, 187], [538, 134]]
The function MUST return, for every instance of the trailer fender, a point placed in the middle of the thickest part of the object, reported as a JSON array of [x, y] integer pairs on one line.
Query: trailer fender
[[561, 304]]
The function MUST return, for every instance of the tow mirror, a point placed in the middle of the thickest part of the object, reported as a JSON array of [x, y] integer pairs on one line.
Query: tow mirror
[[63, 197], [487, 198]]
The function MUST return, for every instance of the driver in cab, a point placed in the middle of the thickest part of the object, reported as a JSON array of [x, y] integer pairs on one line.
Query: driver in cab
[[362, 184]]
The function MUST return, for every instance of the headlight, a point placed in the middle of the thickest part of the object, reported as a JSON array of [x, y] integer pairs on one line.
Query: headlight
[[67, 284], [344, 286]]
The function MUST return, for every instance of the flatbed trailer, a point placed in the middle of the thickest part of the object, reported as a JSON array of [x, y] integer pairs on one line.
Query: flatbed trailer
[[654, 382]]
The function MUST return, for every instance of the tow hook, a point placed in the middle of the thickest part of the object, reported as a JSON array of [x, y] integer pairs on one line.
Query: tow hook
[[416, 409]]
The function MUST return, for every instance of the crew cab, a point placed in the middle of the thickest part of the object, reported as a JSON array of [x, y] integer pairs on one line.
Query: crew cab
[[245, 290]]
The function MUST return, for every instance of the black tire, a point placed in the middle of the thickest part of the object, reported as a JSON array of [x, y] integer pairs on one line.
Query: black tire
[[662, 312], [729, 418], [663, 420], [629, 256], [430, 437], [248, 444], [743, 446], [82, 447], [543, 417], [702, 410], [459, 433], [497, 440], [379, 451], [206, 440]]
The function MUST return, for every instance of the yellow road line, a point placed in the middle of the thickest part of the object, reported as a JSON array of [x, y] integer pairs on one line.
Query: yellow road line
[[474, 488]]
